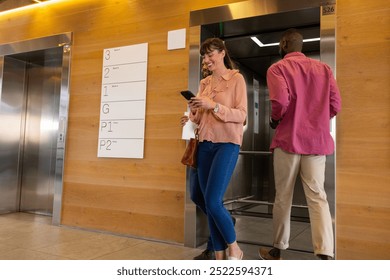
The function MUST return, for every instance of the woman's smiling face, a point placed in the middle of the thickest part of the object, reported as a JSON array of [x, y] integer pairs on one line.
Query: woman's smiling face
[[214, 59]]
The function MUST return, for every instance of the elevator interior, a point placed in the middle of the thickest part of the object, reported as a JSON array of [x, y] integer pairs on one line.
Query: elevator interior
[[33, 113], [251, 191]]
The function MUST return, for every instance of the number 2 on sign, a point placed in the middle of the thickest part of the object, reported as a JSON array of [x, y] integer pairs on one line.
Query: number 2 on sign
[[106, 72], [106, 144]]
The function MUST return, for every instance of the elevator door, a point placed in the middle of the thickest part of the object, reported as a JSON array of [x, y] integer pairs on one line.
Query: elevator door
[[30, 103], [251, 31]]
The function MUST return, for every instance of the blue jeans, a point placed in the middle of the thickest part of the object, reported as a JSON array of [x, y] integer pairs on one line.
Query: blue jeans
[[196, 196], [216, 163]]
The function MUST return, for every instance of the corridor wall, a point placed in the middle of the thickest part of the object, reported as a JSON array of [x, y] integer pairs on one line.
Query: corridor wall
[[145, 197]]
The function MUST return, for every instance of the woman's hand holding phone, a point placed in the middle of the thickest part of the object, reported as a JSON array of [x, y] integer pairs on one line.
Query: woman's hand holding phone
[[202, 103], [187, 94]]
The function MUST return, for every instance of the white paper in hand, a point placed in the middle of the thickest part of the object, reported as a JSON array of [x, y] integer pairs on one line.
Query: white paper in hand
[[188, 129]]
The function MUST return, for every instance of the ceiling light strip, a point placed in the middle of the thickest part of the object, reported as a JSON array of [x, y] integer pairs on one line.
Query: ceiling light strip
[[261, 45]]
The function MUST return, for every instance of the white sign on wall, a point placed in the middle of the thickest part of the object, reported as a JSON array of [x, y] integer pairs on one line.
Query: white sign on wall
[[123, 101]]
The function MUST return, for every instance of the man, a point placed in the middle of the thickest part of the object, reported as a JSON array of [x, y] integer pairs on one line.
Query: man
[[304, 97]]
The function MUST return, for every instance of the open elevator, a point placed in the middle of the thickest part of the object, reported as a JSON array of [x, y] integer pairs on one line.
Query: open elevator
[[34, 79], [251, 191]]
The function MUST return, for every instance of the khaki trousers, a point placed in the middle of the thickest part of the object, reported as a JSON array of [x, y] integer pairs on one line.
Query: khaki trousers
[[312, 172]]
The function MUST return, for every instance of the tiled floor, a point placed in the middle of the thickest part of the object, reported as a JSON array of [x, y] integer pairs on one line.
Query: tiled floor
[[254, 232], [26, 236]]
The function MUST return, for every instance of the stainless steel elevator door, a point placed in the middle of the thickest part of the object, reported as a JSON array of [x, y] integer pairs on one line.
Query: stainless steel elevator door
[[37, 112], [12, 107]]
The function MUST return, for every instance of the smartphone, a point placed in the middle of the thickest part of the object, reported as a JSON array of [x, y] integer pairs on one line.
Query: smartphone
[[187, 94]]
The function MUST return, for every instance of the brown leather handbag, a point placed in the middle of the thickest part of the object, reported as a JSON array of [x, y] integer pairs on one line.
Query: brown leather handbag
[[189, 157]]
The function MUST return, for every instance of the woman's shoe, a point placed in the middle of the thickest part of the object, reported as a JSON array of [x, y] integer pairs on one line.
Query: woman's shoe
[[236, 259]]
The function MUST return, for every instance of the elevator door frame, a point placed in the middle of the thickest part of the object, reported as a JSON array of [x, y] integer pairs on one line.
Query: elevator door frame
[[63, 41], [193, 232]]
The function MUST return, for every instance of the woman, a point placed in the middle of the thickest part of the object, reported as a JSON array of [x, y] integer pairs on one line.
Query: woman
[[196, 194], [219, 110]]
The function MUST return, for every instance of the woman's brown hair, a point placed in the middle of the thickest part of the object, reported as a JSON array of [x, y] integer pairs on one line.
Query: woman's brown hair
[[212, 44]]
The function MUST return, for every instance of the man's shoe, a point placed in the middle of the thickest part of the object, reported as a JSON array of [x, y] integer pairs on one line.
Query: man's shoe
[[269, 254], [206, 255], [324, 257]]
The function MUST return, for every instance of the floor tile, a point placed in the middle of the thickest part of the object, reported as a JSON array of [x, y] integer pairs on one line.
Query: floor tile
[[26, 236]]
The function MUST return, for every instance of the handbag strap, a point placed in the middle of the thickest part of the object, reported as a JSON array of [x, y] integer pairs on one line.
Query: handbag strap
[[196, 132]]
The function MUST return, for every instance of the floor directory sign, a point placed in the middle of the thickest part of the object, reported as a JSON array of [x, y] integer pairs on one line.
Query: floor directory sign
[[123, 102]]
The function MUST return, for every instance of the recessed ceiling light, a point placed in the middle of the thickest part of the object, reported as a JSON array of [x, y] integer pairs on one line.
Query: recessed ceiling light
[[261, 45]]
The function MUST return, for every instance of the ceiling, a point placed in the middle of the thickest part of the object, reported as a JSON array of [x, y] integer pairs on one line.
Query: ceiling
[[268, 29]]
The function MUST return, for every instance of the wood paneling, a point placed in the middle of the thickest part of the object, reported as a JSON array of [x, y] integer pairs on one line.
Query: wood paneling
[[146, 197], [363, 131], [128, 196]]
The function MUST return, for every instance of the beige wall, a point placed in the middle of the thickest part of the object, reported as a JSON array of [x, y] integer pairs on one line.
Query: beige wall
[[146, 197]]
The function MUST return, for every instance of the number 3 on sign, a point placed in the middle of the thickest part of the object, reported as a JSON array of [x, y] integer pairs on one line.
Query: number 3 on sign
[[107, 55]]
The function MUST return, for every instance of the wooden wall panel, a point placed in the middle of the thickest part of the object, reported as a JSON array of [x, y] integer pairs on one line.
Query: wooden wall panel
[[146, 197], [363, 132], [126, 210]]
